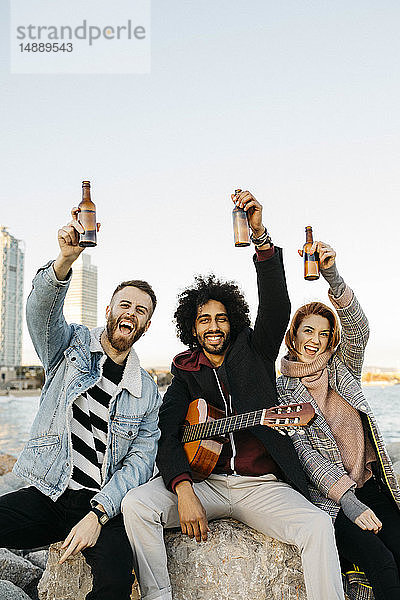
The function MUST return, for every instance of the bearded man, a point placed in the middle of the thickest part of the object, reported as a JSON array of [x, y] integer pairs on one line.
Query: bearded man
[[95, 434], [258, 478]]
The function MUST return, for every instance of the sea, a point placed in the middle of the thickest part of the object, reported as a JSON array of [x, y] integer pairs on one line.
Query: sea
[[17, 414]]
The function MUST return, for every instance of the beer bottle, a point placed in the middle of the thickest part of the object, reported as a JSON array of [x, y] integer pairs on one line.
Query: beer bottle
[[311, 261], [87, 218], [240, 225]]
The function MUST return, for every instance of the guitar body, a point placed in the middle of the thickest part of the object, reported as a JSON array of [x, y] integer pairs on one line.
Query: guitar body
[[202, 454]]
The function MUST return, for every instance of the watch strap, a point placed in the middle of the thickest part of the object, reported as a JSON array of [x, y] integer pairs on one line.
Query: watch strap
[[102, 516]]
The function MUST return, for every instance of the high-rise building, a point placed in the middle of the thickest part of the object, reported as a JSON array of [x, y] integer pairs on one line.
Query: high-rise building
[[11, 298], [81, 300]]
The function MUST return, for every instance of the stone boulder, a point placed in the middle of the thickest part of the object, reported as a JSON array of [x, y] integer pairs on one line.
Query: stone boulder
[[70, 581], [9, 591], [18, 570], [235, 563], [38, 558]]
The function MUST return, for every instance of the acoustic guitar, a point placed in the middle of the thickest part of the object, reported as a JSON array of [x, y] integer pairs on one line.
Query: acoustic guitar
[[204, 424]]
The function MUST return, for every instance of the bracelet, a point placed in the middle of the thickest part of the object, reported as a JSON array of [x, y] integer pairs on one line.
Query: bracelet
[[262, 240]]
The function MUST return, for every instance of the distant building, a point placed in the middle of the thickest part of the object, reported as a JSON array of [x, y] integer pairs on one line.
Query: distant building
[[81, 300], [11, 299]]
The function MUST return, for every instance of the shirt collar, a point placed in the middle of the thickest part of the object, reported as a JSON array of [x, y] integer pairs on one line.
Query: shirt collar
[[132, 376]]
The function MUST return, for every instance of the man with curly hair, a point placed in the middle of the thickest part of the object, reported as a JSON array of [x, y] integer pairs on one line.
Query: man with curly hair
[[258, 478]]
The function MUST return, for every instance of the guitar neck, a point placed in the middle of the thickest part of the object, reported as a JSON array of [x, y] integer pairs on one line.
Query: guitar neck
[[219, 427]]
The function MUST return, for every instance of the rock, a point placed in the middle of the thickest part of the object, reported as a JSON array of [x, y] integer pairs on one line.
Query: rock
[[7, 462], [9, 591], [70, 581], [10, 483], [18, 570], [236, 562], [38, 558]]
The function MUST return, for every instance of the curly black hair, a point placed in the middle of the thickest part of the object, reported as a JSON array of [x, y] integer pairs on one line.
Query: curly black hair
[[204, 289]]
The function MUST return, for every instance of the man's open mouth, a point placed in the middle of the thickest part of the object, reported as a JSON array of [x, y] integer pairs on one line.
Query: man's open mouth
[[126, 327]]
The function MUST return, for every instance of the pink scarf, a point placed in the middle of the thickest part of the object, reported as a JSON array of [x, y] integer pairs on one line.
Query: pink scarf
[[343, 419]]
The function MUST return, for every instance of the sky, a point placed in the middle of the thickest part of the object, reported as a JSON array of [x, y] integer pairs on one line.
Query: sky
[[296, 101]]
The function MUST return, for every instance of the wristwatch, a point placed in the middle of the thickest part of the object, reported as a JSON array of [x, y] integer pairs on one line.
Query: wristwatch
[[102, 517]]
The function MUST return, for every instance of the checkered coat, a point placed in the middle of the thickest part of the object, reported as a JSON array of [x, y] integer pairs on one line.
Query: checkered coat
[[317, 448]]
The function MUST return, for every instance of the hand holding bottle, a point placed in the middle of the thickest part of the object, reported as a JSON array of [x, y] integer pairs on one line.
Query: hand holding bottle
[[87, 218], [68, 241], [326, 254], [253, 209], [311, 257]]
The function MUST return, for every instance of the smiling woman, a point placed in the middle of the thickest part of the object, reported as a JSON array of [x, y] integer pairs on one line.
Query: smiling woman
[[342, 452], [314, 329]]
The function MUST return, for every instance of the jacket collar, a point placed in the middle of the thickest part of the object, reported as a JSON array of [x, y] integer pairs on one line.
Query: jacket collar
[[132, 377]]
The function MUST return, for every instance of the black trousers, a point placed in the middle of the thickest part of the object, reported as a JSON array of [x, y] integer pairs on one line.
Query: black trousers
[[29, 519], [378, 555]]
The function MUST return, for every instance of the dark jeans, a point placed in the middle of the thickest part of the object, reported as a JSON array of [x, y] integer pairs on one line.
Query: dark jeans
[[378, 555], [29, 519]]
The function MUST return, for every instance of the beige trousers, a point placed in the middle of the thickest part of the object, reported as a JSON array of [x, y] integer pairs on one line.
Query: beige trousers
[[264, 503]]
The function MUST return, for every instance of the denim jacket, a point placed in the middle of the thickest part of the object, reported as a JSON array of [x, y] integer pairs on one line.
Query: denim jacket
[[73, 359]]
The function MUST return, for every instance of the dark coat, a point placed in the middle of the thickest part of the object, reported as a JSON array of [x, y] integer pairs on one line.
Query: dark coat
[[249, 373]]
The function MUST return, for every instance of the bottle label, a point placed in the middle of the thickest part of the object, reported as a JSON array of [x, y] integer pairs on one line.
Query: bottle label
[[311, 266]]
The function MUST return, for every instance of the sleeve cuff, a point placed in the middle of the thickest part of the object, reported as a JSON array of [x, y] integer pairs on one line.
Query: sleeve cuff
[[265, 254], [344, 300], [108, 506], [178, 479], [50, 275], [340, 487]]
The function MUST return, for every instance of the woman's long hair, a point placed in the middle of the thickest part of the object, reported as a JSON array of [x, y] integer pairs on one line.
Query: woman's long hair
[[313, 308]]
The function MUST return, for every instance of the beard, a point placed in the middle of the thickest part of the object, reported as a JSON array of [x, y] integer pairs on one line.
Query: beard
[[222, 346], [120, 342]]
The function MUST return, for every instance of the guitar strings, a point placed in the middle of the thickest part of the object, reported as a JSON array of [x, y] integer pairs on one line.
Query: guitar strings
[[218, 427]]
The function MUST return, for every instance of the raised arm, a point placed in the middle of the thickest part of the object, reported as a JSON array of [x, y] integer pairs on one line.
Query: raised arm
[[273, 299], [355, 327], [273, 305], [44, 310]]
